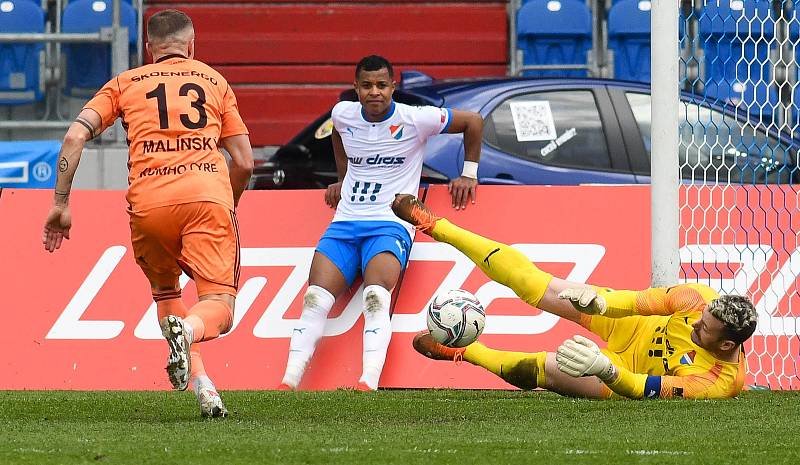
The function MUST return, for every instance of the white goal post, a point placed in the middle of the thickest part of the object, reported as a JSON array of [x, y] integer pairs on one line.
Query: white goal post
[[664, 175]]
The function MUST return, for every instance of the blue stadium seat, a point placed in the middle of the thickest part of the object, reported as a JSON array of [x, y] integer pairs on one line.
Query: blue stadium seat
[[736, 37], [554, 32], [629, 38], [89, 65], [19, 63]]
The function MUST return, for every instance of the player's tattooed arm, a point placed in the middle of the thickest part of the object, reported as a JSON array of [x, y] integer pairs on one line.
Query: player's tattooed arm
[[88, 125], [61, 197], [79, 132], [59, 219]]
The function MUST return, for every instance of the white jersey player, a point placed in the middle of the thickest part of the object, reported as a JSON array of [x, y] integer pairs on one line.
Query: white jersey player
[[379, 147], [384, 158]]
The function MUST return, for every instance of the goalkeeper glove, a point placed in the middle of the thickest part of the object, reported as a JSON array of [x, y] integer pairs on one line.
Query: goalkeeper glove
[[585, 300], [581, 357]]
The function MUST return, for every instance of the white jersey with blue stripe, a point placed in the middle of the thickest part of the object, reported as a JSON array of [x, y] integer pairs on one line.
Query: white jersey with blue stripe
[[384, 158]]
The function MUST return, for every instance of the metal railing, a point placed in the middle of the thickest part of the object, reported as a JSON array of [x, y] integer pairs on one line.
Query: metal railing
[[116, 35]]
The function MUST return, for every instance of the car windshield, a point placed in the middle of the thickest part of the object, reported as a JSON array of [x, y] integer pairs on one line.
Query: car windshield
[[715, 147]]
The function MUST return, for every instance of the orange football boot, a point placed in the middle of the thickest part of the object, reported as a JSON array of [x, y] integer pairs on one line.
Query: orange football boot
[[427, 346], [410, 209]]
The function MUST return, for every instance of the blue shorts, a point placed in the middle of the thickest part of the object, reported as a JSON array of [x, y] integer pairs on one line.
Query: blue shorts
[[350, 245]]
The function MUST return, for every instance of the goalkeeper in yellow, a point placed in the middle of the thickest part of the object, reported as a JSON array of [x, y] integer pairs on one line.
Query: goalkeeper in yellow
[[683, 341]]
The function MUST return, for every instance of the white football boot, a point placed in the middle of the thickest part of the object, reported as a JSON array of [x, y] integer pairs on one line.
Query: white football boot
[[208, 398], [179, 361], [211, 403]]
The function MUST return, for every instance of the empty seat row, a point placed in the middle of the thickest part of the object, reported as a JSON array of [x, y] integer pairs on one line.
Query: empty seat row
[[20, 80], [736, 37], [88, 66], [559, 32]]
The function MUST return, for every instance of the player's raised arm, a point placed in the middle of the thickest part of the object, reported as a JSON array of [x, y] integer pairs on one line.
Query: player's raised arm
[[59, 219], [463, 188], [241, 166]]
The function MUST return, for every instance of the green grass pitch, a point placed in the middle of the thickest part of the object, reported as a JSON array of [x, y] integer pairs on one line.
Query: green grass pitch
[[432, 427]]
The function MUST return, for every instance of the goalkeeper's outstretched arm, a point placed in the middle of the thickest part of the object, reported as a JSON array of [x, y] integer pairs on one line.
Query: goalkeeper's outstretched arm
[[652, 301], [705, 385], [580, 356]]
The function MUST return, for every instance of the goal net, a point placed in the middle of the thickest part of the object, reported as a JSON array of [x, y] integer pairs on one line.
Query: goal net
[[739, 205]]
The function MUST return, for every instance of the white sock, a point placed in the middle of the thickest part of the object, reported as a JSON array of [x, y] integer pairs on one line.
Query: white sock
[[317, 302], [202, 382], [188, 333], [377, 333]]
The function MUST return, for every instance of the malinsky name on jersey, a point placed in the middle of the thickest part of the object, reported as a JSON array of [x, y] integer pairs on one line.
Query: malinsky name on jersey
[[179, 145]]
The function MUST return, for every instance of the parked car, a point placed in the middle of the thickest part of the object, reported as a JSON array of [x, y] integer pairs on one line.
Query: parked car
[[561, 132]]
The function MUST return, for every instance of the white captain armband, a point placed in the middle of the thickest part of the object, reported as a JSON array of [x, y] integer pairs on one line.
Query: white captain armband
[[470, 169]]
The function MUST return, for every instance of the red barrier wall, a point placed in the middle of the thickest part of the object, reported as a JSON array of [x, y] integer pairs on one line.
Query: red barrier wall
[[82, 318]]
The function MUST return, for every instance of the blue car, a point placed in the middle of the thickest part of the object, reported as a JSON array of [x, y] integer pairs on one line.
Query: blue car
[[559, 132]]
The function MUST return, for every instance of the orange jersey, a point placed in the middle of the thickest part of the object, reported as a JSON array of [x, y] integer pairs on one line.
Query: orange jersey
[[175, 112]]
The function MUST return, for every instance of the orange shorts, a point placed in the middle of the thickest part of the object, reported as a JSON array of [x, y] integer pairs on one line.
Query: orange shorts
[[200, 238]]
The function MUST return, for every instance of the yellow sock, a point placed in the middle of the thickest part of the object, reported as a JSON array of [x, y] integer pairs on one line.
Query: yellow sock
[[500, 262], [521, 369]]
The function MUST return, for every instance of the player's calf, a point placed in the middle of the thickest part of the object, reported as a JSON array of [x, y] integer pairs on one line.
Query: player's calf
[[523, 370]]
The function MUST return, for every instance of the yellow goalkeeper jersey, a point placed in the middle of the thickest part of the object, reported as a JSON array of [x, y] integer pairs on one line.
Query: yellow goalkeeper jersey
[[653, 350]]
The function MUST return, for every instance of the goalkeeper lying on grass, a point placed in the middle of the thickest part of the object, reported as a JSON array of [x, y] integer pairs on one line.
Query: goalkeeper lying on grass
[[682, 341]]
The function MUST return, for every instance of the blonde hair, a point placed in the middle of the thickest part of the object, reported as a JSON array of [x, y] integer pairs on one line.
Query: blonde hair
[[738, 315]]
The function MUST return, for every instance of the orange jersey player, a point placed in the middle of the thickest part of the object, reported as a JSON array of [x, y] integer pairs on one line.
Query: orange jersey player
[[182, 193], [176, 111], [683, 341]]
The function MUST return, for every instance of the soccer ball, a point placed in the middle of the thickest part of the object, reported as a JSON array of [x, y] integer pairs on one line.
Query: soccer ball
[[456, 318]]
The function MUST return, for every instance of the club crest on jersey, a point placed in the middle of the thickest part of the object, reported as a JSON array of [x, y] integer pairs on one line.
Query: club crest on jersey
[[396, 130]]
